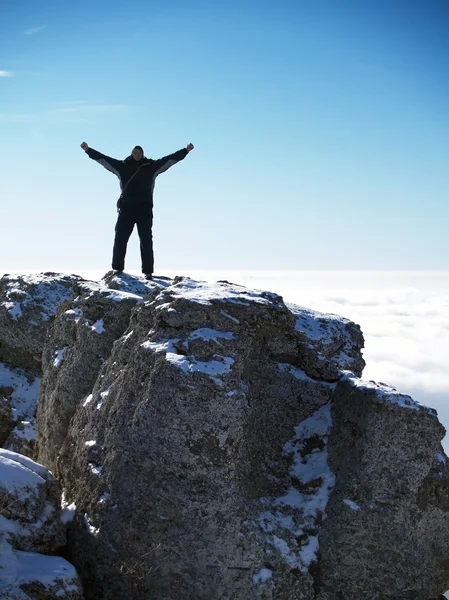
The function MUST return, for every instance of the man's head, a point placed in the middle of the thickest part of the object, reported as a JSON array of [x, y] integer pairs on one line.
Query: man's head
[[137, 153]]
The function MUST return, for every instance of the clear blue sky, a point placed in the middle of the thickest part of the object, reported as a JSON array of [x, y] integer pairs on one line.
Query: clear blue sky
[[321, 131]]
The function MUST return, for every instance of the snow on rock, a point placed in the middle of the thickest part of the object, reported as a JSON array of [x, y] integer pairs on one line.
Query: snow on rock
[[29, 496], [385, 393], [262, 576], [26, 575], [19, 393], [386, 527], [28, 303], [292, 520], [337, 342], [352, 505]]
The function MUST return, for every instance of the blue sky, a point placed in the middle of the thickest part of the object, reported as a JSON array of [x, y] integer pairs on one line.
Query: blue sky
[[321, 132]]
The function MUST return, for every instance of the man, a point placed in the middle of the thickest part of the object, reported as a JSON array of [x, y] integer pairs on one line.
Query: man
[[137, 175]]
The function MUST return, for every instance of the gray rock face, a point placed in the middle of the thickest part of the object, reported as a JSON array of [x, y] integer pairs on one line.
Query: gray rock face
[[175, 461], [80, 340], [387, 531], [27, 306]]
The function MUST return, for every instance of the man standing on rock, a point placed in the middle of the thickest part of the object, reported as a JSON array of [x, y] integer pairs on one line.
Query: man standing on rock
[[137, 175]]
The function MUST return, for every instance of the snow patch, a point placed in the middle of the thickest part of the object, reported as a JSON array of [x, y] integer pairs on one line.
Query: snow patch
[[352, 505], [98, 326], [59, 357], [88, 400], [291, 521], [386, 394], [262, 576]]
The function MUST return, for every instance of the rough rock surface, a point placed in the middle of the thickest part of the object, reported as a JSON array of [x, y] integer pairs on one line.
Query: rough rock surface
[[191, 411], [30, 502], [30, 523], [388, 513], [27, 306], [79, 341]]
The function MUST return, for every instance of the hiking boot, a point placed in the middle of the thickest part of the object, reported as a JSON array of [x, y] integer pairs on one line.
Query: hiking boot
[[118, 272], [148, 276]]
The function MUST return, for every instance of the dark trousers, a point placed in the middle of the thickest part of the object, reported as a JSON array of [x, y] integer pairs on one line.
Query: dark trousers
[[130, 215]]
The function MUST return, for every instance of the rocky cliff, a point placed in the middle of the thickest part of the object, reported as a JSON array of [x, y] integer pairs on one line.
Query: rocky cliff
[[216, 442]]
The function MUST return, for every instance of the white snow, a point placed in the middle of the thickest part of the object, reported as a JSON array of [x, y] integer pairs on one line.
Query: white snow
[[68, 513], [116, 295], [301, 375], [88, 400], [25, 390], [205, 292], [102, 397], [47, 293], [98, 326], [90, 443], [441, 458], [95, 469], [25, 462], [219, 366], [352, 505], [318, 326], [13, 308], [262, 576], [26, 430], [210, 334], [386, 394], [59, 356], [228, 316], [20, 568], [93, 530], [75, 312], [291, 516]]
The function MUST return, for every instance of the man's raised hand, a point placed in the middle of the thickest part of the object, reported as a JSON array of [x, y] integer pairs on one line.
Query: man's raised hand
[[190, 147], [84, 146]]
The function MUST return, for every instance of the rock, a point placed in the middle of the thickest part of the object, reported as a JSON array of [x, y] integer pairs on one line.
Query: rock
[[27, 306], [18, 404], [30, 522], [387, 529], [79, 342], [30, 503], [191, 412], [27, 575]]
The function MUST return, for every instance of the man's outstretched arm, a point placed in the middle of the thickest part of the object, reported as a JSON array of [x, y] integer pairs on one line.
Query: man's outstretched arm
[[111, 164], [162, 164]]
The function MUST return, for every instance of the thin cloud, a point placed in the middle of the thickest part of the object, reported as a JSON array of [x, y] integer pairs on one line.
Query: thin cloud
[[6, 73], [15, 116], [75, 108], [34, 30], [80, 107]]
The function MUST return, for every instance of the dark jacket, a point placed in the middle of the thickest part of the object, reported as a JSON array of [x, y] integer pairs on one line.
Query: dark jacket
[[140, 188]]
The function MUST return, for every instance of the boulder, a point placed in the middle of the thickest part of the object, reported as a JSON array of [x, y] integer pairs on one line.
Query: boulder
[[27, 306], [195, 412], [30, 524], [19, 391], [386, 535], [79, 341]]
